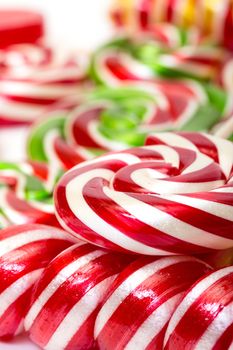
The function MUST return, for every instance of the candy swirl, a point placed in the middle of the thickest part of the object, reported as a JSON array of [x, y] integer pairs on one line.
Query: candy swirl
[[26, 194], [32, 78], [150, 56], [213, 18], [172, 196], [111, 119]]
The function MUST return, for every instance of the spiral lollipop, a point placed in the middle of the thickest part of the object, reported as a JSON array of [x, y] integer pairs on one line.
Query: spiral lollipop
[[32, 78], [213, 18], [25, 251], [172, 196], [26, 194], [183, 55], [111, 119]]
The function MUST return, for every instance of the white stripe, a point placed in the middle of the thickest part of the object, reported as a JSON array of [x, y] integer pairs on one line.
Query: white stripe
[[31, 236], [16, 289], [227, 189], [79, 207], [129, 284], [172, 62], [192, 296], [32, 90], [225, 153], [169, 155], [153, 325], [127, 158], [219, 325], [201, 161], [176, 140], [165, 222], [57, 281], [77, 316], [223, 211], [21, 111], [170, 187], [225, 129], [10, 213]]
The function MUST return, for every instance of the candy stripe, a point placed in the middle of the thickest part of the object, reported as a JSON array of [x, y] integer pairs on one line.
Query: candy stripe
[[20, 268], [32, 78], [149, 205], [207, 287], [158, 277], [84, 277]]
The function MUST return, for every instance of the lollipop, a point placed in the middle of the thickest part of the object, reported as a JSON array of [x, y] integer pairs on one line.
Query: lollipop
[[213, 18], [172, 53], [26, 194], [25, 251], [111, 119], [172, 196], [32, 78], [141, 301], [67, 297], [208, 306]]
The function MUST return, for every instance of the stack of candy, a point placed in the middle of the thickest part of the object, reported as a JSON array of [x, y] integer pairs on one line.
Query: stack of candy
[[117, 232]]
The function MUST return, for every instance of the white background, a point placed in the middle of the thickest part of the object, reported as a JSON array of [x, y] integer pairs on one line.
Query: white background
[[71, 24]]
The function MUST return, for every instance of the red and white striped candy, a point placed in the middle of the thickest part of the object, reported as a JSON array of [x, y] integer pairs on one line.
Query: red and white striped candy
[[141, 301], [172, 196], [24, 252], [67, 298], [204, 318], [32, 78], [15, 206]]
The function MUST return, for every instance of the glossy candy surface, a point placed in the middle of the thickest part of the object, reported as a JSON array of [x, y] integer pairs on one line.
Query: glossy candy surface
[[25, 251], [172, 196], [67, 298], [141, 301], [208, 307]]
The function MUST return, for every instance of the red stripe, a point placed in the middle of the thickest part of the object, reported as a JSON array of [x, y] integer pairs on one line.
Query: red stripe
[[79, 127], [23, 260], [60, 263], [83, 338], [67, 155], [145, 299], [190, 215], [201, 314], [11, 318], [71, 291]]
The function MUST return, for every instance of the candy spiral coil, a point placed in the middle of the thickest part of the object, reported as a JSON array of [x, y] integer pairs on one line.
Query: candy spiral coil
[[172, 196], [32, 78], [26, 194]]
